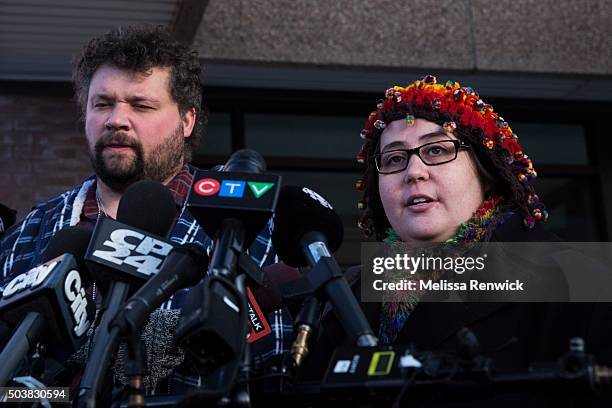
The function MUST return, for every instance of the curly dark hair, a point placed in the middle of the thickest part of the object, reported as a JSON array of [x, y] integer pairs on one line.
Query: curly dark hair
[[497, 174], [139, 49]]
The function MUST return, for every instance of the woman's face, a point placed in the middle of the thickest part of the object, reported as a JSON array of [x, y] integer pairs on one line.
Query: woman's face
[[452, 191]]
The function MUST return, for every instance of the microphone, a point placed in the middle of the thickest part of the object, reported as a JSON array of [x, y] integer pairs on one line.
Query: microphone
[[232, 206], [181, 268], [240, 199], [266, 298], [307, 227], [245, 161], [132, 248], [125, 252], [49, 299], [7, 218], [269, 294], [300, 212]]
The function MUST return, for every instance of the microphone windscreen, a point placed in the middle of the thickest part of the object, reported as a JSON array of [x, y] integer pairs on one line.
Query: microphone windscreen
[[269, 295], [300, 210], [71, 240], [245, 161], [147, 205]]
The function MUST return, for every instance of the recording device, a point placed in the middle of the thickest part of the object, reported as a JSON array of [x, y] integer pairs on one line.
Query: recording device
[[359, 372], [126, 252], [49, 299], [7, 218], [232, 206], [307, 227]]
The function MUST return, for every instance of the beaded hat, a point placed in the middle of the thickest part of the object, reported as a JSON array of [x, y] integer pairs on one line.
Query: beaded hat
[[460, 111]]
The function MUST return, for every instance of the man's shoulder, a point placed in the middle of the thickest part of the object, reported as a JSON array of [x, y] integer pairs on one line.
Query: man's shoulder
[[53, 204], [22, 242]]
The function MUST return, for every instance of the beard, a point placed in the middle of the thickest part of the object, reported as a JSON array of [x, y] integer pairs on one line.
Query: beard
[[119, 170]]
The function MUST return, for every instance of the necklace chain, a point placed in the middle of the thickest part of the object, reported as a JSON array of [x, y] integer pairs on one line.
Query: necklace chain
[[100, 206]]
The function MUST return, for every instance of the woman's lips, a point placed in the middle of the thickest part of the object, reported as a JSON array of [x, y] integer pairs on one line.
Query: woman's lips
[[419, 203], [421, 207]]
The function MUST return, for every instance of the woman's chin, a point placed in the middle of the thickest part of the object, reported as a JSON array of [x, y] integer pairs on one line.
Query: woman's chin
[[425, 234]]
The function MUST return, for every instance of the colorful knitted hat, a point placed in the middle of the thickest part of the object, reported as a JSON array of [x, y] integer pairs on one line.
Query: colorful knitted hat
[[460, 111]]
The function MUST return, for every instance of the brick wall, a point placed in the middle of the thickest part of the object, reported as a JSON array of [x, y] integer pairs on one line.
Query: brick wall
[[42, 149]]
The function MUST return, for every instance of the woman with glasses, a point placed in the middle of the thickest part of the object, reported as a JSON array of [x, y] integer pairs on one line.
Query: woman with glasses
[[436, 157], [442, 166]]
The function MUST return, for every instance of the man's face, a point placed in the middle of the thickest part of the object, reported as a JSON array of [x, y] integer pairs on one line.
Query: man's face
[[133, 127]]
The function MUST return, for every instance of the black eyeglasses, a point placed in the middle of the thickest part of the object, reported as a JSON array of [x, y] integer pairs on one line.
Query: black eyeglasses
[[432, 154]]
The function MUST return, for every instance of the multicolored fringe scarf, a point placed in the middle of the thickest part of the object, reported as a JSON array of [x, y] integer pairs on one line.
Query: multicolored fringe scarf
[[395, 311]]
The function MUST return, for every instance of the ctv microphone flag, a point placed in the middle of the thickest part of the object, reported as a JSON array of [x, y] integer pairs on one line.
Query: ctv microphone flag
[[247, 197]]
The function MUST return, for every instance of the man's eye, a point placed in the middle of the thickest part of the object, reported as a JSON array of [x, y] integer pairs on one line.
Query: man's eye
[[144, 107], [100, 104]]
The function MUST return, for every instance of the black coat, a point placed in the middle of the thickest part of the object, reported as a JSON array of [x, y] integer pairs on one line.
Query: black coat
[[515, 335]]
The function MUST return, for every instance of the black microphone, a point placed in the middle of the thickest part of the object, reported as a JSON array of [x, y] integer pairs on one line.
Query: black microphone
[[132, 248], [231, 237], [121, 252], [49, 299], [126, 252], [306, 228], [269, 294], [182, 268], [7, 218], [232, 206], [245, 161], [238, 200]]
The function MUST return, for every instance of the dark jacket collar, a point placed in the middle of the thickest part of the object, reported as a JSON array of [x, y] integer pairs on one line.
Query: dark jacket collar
[[432, 323]]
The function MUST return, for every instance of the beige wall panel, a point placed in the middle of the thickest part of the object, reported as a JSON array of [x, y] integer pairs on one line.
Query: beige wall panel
[[387, 33], [555, 36]]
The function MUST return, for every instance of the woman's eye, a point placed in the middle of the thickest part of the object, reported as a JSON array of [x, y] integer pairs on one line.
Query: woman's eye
[[394, 159], [436, 150]]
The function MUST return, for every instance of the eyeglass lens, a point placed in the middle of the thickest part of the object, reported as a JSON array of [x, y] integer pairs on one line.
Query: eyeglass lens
[[430, 153]]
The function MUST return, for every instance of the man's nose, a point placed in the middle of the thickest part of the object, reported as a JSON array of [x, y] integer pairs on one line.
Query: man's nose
[[416, 170], [118, 118]]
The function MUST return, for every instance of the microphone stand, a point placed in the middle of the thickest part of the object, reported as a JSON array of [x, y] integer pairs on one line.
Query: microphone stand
[[201, 327], [24, 337], [135, 370], [307, 323], [105, 342], [241, 393], [326, 280]]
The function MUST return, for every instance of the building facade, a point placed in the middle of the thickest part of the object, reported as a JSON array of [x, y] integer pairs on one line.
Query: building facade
[[295, 80]]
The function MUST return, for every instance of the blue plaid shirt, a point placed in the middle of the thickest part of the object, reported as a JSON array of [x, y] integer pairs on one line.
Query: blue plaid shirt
[[22, 246]]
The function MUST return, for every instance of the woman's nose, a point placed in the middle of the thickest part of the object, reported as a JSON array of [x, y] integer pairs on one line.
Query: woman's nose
[[416, 170]]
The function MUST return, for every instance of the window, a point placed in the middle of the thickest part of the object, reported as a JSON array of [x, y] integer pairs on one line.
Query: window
[[312, 138]]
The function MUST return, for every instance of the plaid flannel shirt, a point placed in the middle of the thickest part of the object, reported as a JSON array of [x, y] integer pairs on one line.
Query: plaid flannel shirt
[[22, 246]]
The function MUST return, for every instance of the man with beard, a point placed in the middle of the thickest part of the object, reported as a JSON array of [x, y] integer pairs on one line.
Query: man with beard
[[140, 95]]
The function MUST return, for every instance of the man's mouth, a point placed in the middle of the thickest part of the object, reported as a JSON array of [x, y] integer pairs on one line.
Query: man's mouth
[[118, 146]]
